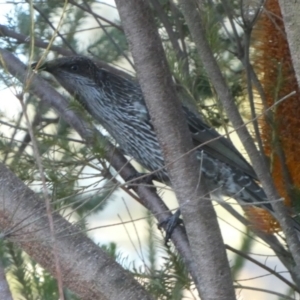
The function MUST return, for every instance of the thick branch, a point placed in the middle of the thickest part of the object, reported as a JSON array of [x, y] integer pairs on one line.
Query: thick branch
[[209, 256], [291, 19], [87, 269], [4, 288]]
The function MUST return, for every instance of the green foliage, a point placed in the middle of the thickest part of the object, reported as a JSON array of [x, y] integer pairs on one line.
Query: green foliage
[[166, 276], [27, 279]]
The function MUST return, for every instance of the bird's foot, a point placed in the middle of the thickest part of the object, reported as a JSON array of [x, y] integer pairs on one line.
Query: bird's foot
[[170, 224]]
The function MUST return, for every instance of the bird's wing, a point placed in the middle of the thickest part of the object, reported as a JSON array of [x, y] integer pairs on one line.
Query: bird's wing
[[219, 147]]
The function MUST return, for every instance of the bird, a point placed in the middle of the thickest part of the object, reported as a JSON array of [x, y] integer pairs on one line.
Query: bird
[[118, 104]]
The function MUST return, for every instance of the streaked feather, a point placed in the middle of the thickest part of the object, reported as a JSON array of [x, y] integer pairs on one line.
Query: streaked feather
[[118, 104]]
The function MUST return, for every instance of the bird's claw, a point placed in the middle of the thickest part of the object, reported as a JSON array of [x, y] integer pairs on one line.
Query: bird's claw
[[170, 224]]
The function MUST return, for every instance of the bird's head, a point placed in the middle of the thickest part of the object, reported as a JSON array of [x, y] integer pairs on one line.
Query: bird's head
[[97, 89], [78, 73], [73, 73]]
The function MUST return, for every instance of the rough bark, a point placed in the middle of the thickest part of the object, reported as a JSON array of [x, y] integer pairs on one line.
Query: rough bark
[[291, 17], [209, 256], [4, 288], [86, 269]]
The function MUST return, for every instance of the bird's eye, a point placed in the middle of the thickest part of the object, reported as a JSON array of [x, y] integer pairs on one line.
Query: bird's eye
[[74, 67]]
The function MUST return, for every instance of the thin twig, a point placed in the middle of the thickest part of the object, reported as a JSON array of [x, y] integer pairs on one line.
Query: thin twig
[[46, 198], [57, 31], [109, 36], [96, 15], [282, 296], [276, 274]]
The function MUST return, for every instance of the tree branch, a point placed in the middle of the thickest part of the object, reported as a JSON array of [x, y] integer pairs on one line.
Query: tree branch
[[290, 14], [86, 268], [4, 288], [203, 232]]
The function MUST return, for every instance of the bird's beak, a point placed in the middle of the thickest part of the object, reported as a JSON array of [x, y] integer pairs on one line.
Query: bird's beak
[[49, 66], [46, 66], [37, 66]]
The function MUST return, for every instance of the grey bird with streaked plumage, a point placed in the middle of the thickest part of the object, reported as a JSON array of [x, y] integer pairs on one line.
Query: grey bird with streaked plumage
[[117, 103]]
